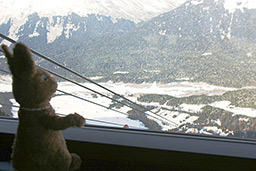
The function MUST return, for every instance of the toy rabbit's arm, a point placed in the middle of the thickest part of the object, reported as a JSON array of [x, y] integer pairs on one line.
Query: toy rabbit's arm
[[60, 123]]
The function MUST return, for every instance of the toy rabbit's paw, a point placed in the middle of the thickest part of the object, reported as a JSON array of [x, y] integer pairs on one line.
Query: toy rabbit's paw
[[79, 120], [76, 162]]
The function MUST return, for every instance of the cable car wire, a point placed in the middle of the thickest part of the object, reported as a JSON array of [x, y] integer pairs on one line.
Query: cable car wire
[[83, 77], [89, 100], [69, 80], [92, 102], [67, 69], [82, 99]]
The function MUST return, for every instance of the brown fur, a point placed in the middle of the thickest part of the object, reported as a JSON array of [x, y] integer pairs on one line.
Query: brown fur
[[39, 143]]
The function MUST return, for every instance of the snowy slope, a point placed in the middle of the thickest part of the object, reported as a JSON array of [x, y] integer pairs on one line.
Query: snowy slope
[[18, 12], [135, 10]]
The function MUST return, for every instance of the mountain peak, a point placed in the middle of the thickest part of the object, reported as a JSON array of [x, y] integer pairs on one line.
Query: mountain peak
[[133, 10], [16, 13]]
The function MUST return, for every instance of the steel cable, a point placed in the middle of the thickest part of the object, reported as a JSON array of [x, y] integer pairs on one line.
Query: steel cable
[[83, 77]]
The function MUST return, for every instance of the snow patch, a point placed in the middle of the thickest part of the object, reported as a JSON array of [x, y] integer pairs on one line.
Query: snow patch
[[96, 78], [14, 110], [233, 5], [244, 119], [173, 118], [162, 32], [55, 29], [209, 130], [206, 8], [69, 28], [184, 79], [191, 108], [250, 112], [249, 54], [99, 18], [121, 72], [218, 122], [35, 33], [5, 83], [152, 71], [197, 2], [213, 129], [207, 54], [192, 130], [230, 25]]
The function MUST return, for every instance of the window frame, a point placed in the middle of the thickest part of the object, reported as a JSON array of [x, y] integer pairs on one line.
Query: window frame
[[156, 140]]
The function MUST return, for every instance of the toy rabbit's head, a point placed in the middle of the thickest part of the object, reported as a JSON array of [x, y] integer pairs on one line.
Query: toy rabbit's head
[[32, 86]]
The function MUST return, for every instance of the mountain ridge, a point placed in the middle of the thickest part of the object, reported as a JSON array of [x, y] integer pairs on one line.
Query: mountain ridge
[[201, 40], [16, 14], [134, 10]]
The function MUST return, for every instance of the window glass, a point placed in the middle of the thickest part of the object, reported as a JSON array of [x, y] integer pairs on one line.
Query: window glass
[[170, 65]]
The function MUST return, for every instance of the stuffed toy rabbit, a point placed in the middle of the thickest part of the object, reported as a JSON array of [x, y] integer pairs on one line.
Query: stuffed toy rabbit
[[39, 144]]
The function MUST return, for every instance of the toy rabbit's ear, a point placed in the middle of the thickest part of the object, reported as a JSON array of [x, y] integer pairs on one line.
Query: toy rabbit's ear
[[21, 61], [9, 57]]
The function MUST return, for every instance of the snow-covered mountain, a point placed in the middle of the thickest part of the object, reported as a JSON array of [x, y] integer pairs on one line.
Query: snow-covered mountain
[[135, 10], [51, 16], [210, 41], [17, 15], [208, 20], [221, 31]]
